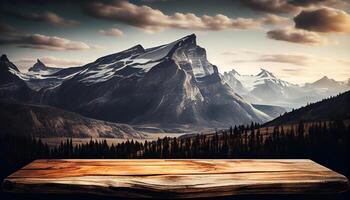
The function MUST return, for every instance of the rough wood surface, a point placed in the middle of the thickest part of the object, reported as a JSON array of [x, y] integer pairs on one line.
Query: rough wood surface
[[175, 178]]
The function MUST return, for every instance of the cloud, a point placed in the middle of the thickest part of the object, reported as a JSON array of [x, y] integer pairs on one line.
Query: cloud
[[38, 41], [6, 29], [294, 71], [153, 20], [290, 6], [239, 52], [49, 61], [48, 17], [270, 6], [11, 36], [324, 20], [319, 3], [112, 32], [296, 59], [297, 36], [299, 59]]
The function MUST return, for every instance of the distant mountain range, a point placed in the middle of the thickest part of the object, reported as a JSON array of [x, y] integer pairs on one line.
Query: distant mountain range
[[171, 85], [266, 88]]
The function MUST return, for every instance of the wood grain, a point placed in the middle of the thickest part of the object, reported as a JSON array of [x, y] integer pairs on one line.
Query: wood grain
[[175, 178]]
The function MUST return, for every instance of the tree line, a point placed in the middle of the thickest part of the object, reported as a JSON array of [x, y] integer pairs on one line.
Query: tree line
[[325, 143]]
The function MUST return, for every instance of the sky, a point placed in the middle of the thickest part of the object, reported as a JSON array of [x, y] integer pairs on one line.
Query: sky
[[298, 40]]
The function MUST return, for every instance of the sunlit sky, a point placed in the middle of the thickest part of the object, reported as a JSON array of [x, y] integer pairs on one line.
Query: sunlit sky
[[298, 40]]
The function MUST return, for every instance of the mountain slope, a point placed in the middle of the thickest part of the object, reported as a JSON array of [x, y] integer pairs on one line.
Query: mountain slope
[[46, 121], [333, 108], [272, 111]]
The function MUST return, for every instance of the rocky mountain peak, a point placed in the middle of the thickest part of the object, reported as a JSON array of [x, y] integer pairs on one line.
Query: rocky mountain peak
[[4, 58], [233, 72], [325, 78], [6, 64], [137, 48], [189, 39], [264, 73], [38, 66], [325, 82], [39, 61]]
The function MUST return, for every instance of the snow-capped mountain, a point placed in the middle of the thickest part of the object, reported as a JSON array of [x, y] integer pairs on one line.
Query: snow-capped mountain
[[266, 88], [254, 82], [11, 85], [39, 76], [172, 84], [40, 68]]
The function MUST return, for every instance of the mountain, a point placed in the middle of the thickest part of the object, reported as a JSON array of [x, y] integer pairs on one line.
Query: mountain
[[327, 86], [170, 85], [266, 88], [11, 85], [41, 68], [333, 108], [46, 121], [39, 76]]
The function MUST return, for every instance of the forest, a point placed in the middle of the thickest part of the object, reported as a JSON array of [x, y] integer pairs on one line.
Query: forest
[[325, 143]]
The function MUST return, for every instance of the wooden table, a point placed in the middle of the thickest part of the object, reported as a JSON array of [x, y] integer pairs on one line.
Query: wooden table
[[175, 178]]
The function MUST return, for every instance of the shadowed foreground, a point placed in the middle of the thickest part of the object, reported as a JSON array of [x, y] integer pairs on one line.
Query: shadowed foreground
[[175, 178]]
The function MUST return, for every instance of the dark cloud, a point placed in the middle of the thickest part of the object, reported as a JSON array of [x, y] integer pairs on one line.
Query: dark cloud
[[270, 6], [320, 3], [6, 29], [296, 36], [307, 2], [153, 20], [11, 36], [323, 20], [48, 17], [38, 41], [41, 2], [289, 6]]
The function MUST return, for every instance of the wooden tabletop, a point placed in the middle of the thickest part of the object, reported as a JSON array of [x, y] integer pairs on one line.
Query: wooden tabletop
[[175, 178]]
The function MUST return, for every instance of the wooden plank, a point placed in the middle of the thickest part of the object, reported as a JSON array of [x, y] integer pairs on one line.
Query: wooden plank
[[175, 178]]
